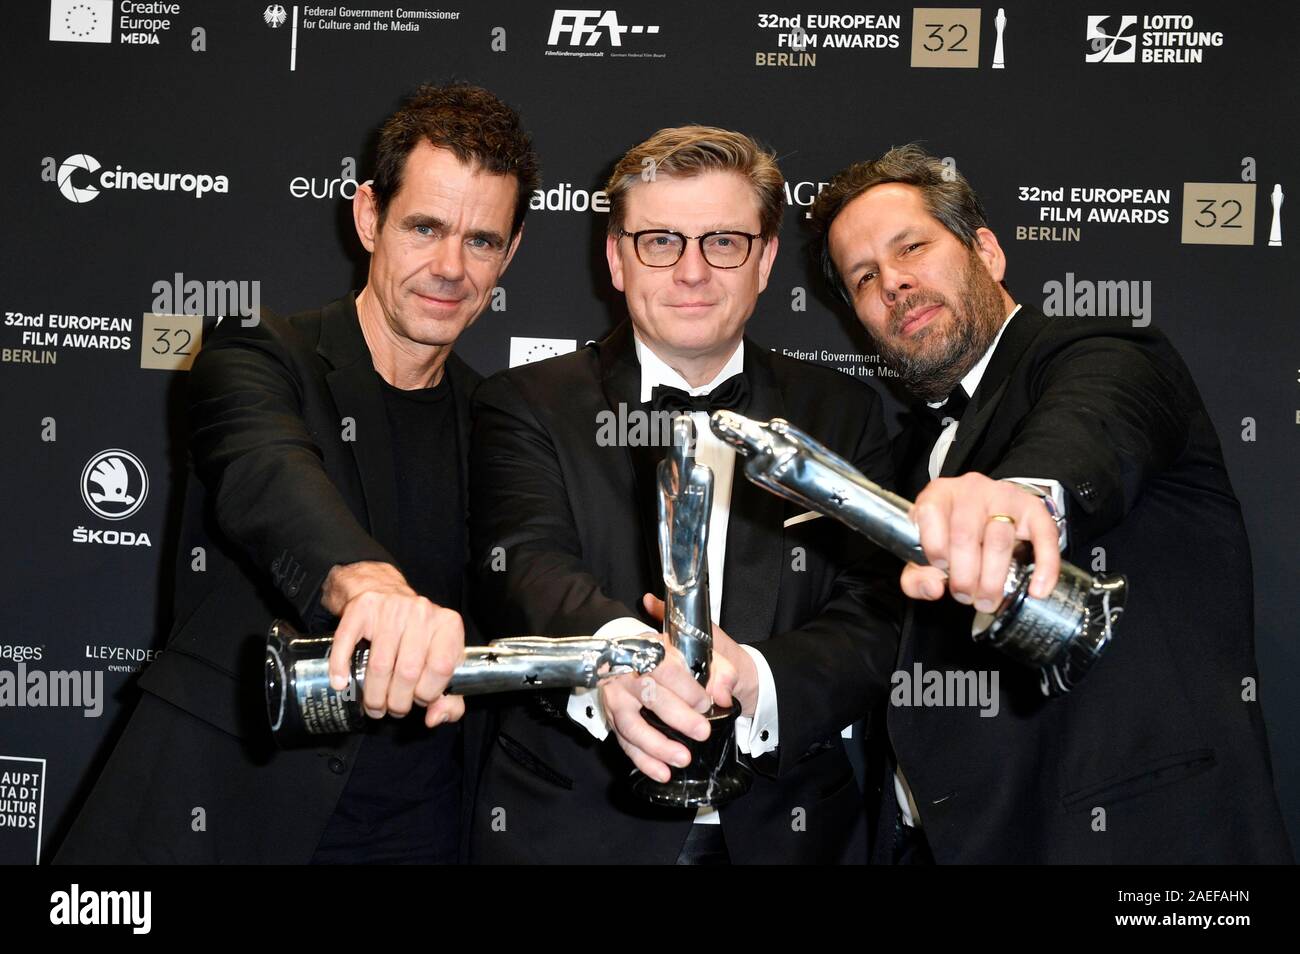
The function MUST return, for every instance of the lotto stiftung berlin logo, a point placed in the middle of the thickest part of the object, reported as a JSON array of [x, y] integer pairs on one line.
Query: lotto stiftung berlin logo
[[1112, 39]]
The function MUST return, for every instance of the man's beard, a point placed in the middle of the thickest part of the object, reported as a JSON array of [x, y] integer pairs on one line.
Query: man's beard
[[932, 369]]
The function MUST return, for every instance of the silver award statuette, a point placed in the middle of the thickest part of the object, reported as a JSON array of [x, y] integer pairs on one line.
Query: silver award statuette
[[685, 488], [1000, 21], [1275, 230], [300, 702], [1062, 635]]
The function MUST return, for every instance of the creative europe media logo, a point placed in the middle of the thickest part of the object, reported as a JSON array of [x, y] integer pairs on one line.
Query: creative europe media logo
[[81, 21], [138, 22]]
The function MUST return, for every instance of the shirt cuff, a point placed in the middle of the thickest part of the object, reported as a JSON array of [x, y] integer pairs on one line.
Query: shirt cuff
[[757, 734], [1053, 492], [584, 704]]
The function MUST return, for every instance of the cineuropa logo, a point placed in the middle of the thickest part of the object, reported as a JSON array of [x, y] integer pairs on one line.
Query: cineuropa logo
[[77, 180]]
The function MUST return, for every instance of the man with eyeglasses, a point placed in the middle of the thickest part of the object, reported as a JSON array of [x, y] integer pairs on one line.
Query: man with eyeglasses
[[564, 539]]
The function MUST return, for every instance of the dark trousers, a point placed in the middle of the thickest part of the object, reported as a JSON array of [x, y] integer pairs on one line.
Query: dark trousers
[[704, 846], [910, 846]]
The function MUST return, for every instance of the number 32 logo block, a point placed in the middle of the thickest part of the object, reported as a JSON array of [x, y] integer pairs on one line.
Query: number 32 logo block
[[1218, 213], [170, 342], [946, 37]]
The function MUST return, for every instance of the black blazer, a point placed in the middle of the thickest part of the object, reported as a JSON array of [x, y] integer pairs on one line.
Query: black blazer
[[577, 527], [1157, 736], [276, 497]]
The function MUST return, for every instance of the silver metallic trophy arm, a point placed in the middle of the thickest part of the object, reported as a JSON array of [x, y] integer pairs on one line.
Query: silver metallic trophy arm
[[539, 662], [1062, 635], [301, 703], [714, 776], [789, 463], [685, 504]]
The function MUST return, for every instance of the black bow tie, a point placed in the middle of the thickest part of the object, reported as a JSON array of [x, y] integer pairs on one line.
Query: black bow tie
[[731, 395], [954, 407]]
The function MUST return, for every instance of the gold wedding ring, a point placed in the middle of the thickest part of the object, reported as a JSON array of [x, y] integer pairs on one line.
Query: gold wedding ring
[[1003, 518]]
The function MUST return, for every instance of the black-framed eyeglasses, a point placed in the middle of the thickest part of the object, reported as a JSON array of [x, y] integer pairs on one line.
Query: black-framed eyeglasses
[[662, 248]]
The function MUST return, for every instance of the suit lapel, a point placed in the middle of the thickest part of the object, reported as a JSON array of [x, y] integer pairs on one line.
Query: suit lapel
[[1020, 333], [755, 537], [911, 451], [620, 375], [973, 424], [752, 573], [354, 385], [462, 380]]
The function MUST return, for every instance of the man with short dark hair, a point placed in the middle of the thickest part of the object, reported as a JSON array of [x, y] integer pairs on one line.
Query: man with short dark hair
[[565, 539], [1093, 433], [328, 455]]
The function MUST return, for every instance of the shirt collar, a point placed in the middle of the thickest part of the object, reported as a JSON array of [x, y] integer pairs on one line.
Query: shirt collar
[[655, 371], [972, 379]]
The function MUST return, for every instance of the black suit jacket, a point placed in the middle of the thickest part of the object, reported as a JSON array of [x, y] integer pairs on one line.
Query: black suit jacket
[[576, 525], [291, 473], [1157, 743]]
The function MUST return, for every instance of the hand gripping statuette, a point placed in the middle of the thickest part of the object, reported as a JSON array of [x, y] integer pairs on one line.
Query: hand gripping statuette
[[714, 776], [301, 704], [1062, 636]]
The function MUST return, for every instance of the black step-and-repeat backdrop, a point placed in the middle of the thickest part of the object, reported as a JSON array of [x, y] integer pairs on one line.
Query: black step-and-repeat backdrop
[[172, 159]]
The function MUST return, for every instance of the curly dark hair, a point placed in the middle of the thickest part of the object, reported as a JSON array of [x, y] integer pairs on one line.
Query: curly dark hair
[[470, 122], [946, 193]]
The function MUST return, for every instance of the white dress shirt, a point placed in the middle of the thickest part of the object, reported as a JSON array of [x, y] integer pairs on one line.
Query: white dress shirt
[[906, 804], [757, 734]]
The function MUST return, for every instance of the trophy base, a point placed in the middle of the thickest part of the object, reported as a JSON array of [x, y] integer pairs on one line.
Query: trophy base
[[1063, 635], [713, 778], [1104, 604], [300, 704]]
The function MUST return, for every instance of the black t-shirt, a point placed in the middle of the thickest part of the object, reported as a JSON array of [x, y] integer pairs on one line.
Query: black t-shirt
[[402, 801]]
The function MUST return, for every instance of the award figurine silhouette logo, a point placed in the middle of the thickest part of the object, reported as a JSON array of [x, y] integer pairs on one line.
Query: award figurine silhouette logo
[[999, 59], [1275, 230]]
